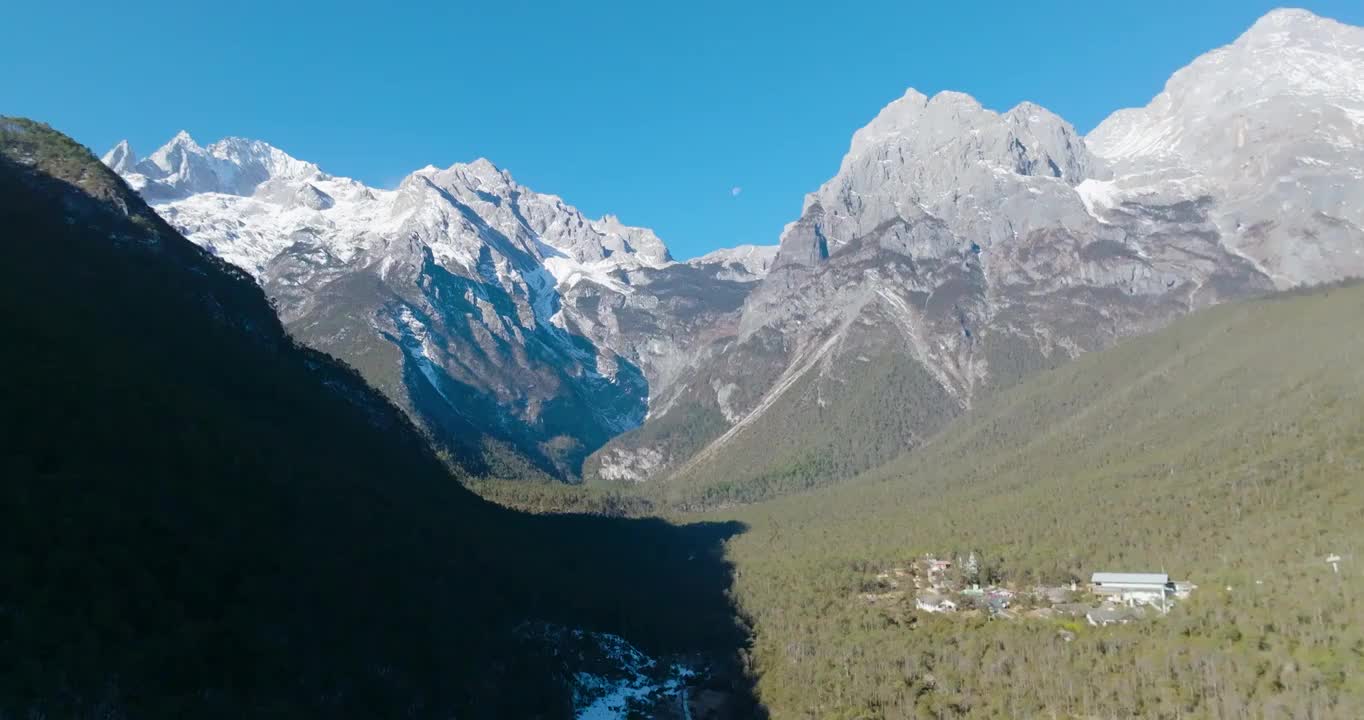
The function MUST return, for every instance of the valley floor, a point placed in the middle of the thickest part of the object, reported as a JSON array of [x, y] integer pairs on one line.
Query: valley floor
[[1228, 449]]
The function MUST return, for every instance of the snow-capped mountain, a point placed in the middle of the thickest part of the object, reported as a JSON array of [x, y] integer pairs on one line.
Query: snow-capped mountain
[[957, 249], [181, 167], [1271, 128], [482, 307]]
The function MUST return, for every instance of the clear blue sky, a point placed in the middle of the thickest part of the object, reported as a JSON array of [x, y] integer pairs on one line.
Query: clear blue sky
[[649, 110]]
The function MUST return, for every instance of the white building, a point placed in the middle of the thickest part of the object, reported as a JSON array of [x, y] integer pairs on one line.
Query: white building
[[1134, 589]]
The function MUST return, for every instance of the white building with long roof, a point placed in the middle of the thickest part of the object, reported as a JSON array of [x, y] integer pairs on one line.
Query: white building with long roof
[[1134, 588]]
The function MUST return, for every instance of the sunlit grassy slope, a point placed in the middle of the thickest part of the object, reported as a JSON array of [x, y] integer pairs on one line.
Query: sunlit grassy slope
[[1227, 449]]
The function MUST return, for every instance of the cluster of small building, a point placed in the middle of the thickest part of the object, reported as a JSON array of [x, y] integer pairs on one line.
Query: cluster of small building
[[943, 594], [1110, 597]]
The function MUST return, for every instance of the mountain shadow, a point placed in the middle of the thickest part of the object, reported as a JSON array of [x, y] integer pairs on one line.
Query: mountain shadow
[[202, 518], [665, 588]]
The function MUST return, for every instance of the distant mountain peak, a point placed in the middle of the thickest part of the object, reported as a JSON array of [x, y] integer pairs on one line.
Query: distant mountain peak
[[507, 311], [182, 167], [485, 171], [1286, 18], [482, 165], [1286, 54], [120, 158], [927, 126], [1032, 114], [741, 262], [165, 157], [954, 98], [932, 156]]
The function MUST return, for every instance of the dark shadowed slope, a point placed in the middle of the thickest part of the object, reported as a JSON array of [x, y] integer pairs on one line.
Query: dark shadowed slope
[[201, 518]]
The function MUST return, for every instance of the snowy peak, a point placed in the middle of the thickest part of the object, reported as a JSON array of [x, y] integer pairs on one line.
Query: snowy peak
[[1270, 128], [1267, 128], [480, 176], [182, 167], [464, 212], [483, 169], [950, 158], [259, 159], [170, 157], [953, 126], [120, 158], [1290, 23], [541, 224], [506, 313], [1288, 64]]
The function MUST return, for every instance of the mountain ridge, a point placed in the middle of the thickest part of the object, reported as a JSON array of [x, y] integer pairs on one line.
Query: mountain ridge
[[978, 246], [504, 320], [965, 246]]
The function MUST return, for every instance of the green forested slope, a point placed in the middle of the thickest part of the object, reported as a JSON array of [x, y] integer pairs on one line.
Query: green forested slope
[[1227, 449], [201, 518]]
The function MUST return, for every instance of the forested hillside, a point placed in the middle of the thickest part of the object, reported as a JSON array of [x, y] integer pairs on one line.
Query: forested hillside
[[201, 518], [1227, 449]]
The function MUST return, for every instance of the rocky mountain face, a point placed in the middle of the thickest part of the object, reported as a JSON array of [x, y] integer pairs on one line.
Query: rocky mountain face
[[498, 317], [1271, 129], [958, 249]]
